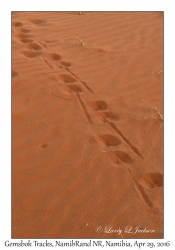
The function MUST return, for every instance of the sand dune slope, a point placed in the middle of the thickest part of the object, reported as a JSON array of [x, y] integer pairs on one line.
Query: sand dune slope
[[87, 124]]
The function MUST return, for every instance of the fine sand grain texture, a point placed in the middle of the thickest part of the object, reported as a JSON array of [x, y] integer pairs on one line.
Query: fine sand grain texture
[[87, 124]]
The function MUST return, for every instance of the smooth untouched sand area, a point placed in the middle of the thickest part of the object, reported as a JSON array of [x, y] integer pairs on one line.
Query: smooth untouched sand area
[[87, 124]]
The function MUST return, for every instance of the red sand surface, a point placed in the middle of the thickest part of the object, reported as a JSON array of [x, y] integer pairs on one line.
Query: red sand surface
[[87, 124]]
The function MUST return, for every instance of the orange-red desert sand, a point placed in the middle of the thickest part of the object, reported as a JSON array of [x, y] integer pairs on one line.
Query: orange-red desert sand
[[87, 125]]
